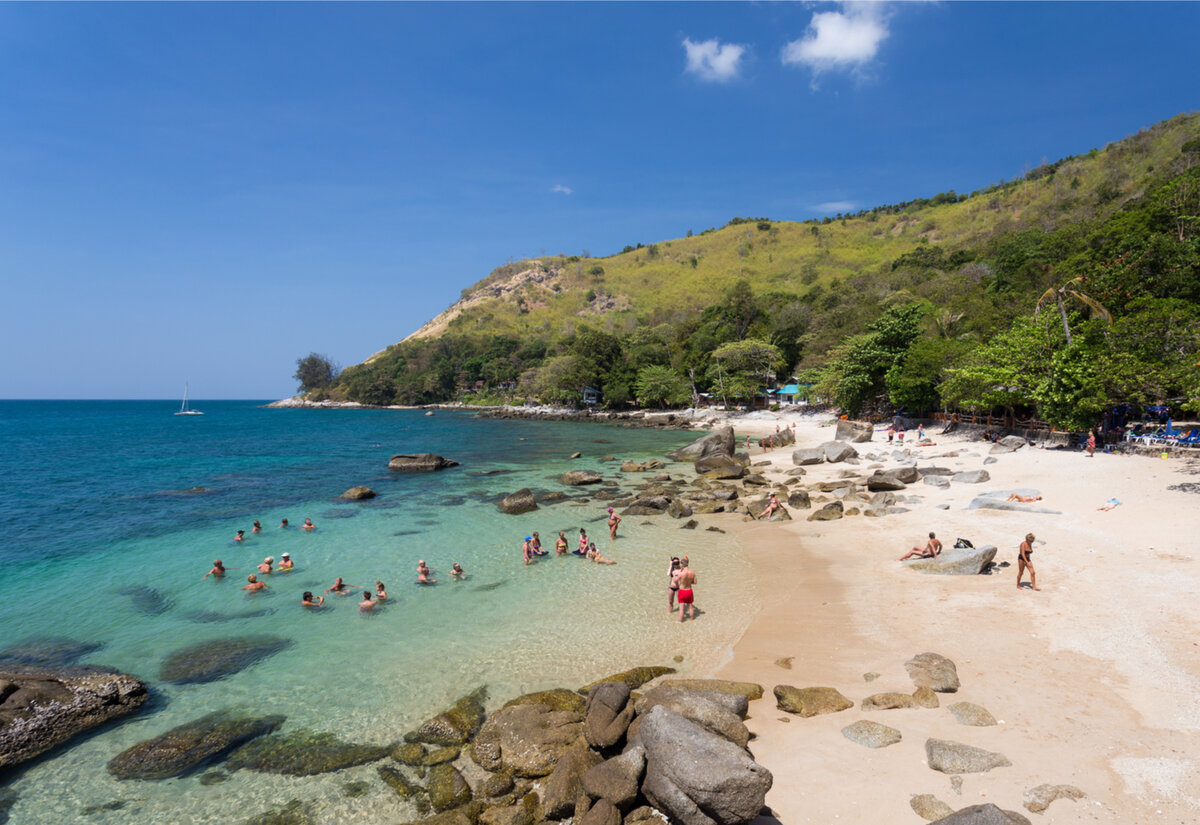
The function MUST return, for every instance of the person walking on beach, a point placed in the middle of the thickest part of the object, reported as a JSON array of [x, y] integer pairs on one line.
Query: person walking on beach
[[254, 584], [1025, 560], [218, 570], [613, 521], [672, 583], [930, 551], [560, 546], [1091, 443], [687, 594]]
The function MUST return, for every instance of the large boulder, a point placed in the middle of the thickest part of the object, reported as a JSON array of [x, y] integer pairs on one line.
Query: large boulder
[[855, 432], [617, 779], [721, 713], [799, 499], [607, 714], [932, 670], [955, 561], [838, 451], [679, 509], [987, 814], [751, 690], [634, 677], [521, 501], [908, 474], [717, 442], [218, 658], [696, 776], [447, 788], [940, 482], [955, 757], [526, 740], [883, 482], [565, 783], [971, 477], [302, 753], [576, 478], [419, 463], [40, 709], [810, 701], [1008, 444], [191, 745], [454, 726], [784, 437], [808, 455], [719, 466], [830, 512], [602, 813], [359, 493]]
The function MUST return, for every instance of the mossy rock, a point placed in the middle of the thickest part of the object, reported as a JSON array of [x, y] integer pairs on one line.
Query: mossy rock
[[218, 658], [497, 784], [395, 780], [190, 745], [464, 815], [293, 813], [750, 690], [441, 755], [214, 777], [447, 788], [455, 726], [303, 753], [558, 698], [635, 677], [354, 790], [410, 753]]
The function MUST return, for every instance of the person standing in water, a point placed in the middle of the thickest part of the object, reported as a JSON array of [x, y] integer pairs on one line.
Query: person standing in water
[[308, 525], [265, 567], [241, 536], [687, 592], [560, 546], [286, 563], [366, 605], [380, 591], [456, 572], [527, 549], [341, 588], [613, 521], [254, 584], [672, 583], [257, 528], [536, 546], [283, 523], [307, 600], [583, 543], [218, 570]]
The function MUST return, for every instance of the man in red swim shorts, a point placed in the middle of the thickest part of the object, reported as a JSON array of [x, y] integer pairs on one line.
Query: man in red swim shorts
[[687, 581]]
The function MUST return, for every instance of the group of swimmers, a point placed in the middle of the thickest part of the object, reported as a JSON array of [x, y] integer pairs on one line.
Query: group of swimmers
[[532, 548], [257, 528]]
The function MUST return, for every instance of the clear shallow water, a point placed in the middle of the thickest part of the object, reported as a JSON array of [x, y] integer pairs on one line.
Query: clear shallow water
[[93, 501]]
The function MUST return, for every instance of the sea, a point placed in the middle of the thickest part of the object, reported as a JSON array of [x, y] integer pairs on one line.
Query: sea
[[111, 513]]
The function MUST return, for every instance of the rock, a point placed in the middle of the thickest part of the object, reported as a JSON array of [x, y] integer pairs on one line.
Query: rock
[[829, 512], [717, 442], [871, 734], [497, 784], [987, 814], [879, 482], [634, 677], [213, 777], [750, 690], [557, 699], [49, 652], [398, 782], [565, 783], [8, 798], [1008, 444], [954, 561], [525, 740], [721, 713], [807, 456], [419, 463], [997, 500], [191, 745], [410, 753], [294, 812], [929, 807], [146, 600], [756, 480], [883, 499], [855, 432], [909, 474], [934, 671], [925, 698], [940, 482], [359, 493], [602, 813], [447, 788], [690, 524], [720, 467], [679, 509], [575, 478], [521, 501], [810, 701], [302, 753], [925, 472], [1038, 799], [888, 701], [837, 451], [40, 708], [799, 500], [355, 790], [870, 676], [617, 779], [454, 726], [439, 756], [955, 757], [971, 477], [697, 777], [218, 658], [966, 713], [607, 714]]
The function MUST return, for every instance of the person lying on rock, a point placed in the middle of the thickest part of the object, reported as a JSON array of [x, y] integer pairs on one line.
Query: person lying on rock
[[772, 506], [930, 551], [1023, 499]]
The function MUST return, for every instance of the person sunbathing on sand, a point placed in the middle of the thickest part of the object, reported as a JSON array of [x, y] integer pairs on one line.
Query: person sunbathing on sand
[[1023, 499], [1111, 504], [594, 555], [930, 551]]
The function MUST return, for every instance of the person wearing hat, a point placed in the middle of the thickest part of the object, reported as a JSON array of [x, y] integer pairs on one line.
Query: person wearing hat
[[527, 549], [613, 521], [265, 567], [286, 563]]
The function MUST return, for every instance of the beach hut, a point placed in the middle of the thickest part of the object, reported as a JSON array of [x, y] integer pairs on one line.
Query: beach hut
[[591, 396]]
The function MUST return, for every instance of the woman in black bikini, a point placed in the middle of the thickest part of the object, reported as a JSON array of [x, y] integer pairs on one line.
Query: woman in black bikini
[[672, 583], [1025, 560]]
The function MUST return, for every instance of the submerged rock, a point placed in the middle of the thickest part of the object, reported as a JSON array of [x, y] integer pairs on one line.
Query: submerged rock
[[634, 677], [190, 746], [395, 780], [454, 726], [578, 477], [293, 813], [302, 753], [558, 699], [146, 600], [8, 798], [49, 652], [447, 788], [218, 658], [522, 501], [419, 463]]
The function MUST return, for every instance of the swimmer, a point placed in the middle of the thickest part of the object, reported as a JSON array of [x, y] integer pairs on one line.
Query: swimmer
[[423, 577], [241, 536], [265, 567], [560, 546], [583, 543], [594, 555], [1023, 499], [286, 563], [254, 583], [366, 605], [537, 546], [613, 521], [423, 568], [283, 523], [308, 525], [257, 528], [456, 572], [307, 600], [218, 570], [380, 591], [341, 588]]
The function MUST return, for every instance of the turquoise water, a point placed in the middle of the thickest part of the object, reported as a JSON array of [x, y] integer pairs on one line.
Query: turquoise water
[[98, 497]]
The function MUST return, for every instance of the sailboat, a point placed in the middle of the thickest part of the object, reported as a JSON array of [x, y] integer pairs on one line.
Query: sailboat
[[183, 408]]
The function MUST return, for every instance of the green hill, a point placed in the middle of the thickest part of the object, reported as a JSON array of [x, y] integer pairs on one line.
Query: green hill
[[1122, 218]]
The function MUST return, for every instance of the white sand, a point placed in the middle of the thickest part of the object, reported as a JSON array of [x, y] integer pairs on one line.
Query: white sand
[[1096, 678]]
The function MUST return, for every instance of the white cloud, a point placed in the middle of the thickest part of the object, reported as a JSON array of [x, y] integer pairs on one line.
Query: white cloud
[[840, 40], [714, 60], [836, 206], [562, 190]]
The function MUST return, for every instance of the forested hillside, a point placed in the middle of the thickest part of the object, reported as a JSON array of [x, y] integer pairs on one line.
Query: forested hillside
[[932, 303]]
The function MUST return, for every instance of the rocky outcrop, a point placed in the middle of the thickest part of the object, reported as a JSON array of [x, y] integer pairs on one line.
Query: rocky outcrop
[[359, 493], [1008, 444], [607, 714], [830, 512], [966, 713], [697, 777], [987, 814], [218, 658], [557, 699], [751, 690], [40, 709], [634, 677], [799, 499], [837, 451], [525, 740], [447, 788], [934, 671], [955, 757], [419, 463], [454, 726], [882, 482], [521, 501], [302, 753], [871, 734], [717, 442], [721, 713], [1038, 799], [807, 456], [855, 432], [576, 478], [719, 466], [810, 701], [563, 786], [190, 746], [617, 779], [955, 561]]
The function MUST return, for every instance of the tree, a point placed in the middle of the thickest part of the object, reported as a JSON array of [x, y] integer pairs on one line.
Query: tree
[[913, 381], [856, 373], [740, 369], [315, 372], [1059, 292], [661, 386]]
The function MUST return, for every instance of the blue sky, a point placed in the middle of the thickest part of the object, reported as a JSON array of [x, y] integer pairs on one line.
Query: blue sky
[[206, 192]]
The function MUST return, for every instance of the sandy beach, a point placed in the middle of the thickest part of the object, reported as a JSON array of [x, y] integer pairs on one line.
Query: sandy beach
[[1094, 680]]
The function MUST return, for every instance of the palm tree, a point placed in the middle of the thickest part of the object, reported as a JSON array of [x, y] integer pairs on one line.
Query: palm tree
[[946, 324], [1059, 292]]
